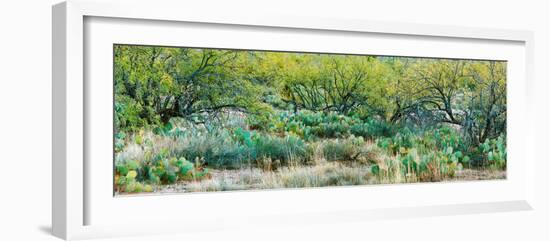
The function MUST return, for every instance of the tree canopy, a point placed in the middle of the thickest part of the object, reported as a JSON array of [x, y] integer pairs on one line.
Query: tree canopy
[[156, 84]]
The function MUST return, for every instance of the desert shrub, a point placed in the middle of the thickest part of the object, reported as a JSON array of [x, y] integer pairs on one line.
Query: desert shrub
[[260, 121], [288, 149], [409, 162], [430, 166], [343, 149], [331, 130], [165, 129], [427, 156], [494, 152], [217, 148], [380, 128], [410, 166], [243, 137], [402, 140], [128, 183], [309, 118], [311, 126], [360, 129], [127, 177], [449, 142], [446, 137], [445, 140], [259, 146], [218, 153], [222, 148], [120, 141], [134, 176], [372, 129]]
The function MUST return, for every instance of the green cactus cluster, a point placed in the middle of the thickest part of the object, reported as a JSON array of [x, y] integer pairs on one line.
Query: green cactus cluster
[[494, 151], [133, 176]]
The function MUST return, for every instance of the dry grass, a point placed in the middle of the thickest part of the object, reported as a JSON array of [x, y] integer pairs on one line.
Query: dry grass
[[139, 152], [320, 175]]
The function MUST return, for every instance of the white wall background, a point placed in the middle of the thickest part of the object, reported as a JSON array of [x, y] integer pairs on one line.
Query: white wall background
[[25, 118]]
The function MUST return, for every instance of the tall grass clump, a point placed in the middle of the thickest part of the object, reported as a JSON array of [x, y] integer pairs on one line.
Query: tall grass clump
[[289, 149], [216, 147], [344, 149]]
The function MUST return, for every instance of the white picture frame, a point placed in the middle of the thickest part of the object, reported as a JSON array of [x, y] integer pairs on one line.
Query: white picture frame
[[75, 199]]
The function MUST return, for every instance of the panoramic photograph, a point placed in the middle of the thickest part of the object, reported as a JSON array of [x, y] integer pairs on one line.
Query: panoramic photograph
[[192, 119]]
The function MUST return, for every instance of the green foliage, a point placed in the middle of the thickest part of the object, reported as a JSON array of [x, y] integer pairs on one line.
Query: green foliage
[[330, 130], [401, 141], [432, 155], [224, 149], [494, 151], [155, 84], [312, 126], [152, 84], [375, 169], [343, 150], [165, 129], [129, 183], [217, 148], [372, 129], [184, 166], [158, 171], [181, 111], [119, 141], [288, 150]]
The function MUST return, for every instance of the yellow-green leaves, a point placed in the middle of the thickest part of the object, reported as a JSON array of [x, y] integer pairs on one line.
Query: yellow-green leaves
[[131, 175], [166, 83]]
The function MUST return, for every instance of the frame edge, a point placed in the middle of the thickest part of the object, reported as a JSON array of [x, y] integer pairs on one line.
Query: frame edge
[[59, 117], [67, 20]]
